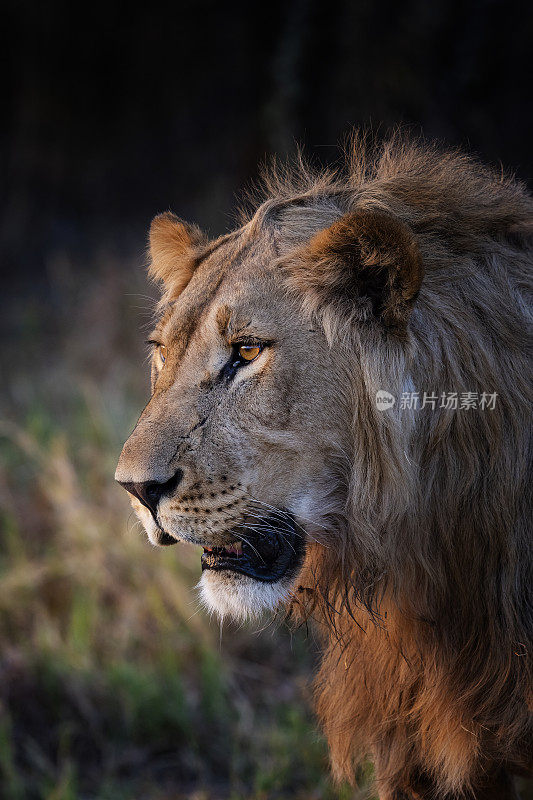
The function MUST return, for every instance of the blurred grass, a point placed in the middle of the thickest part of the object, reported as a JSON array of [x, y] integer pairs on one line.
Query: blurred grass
[[113, 684]]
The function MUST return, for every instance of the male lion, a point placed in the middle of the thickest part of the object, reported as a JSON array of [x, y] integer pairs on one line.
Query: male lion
[[401, 528]]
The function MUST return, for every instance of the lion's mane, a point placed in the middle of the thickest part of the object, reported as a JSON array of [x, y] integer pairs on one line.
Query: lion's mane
[[425, 601]]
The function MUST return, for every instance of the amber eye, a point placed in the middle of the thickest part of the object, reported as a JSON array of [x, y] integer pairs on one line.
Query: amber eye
[[162, 353], [249, 351]]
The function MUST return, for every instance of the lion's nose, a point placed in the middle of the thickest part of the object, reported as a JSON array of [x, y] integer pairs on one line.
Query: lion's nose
[[151, 492]]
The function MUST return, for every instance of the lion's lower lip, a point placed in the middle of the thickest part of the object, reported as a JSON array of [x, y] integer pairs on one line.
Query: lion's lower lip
[[271, 549], [165, 539]]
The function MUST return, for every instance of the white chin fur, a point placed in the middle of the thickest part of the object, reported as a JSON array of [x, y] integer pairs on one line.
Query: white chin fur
[[229, 594]]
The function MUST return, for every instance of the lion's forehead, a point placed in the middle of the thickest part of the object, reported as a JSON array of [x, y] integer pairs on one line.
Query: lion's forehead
[[243, 301]]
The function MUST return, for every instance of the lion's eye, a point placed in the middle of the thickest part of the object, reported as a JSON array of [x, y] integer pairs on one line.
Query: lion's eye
[[249, 351], [162, 353]]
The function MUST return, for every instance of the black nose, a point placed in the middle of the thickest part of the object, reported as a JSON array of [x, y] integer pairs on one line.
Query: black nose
[[151, 492]]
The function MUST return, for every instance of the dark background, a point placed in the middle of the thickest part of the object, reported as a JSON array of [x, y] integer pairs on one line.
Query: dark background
[[114, 112], [113, 684]]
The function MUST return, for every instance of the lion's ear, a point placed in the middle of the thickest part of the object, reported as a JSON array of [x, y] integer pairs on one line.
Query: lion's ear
[[366, 255], [174, 246]]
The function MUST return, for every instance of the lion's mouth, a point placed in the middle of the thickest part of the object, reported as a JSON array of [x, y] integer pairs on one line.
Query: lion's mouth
[[266, 550], [164, 539]]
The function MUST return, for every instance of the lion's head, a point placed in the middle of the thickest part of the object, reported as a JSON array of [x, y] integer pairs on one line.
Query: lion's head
[[243, 445], [403, 525]]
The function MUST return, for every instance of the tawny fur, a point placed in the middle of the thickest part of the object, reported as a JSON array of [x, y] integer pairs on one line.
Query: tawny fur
[[427, 608], [408, 270], [173, 246]]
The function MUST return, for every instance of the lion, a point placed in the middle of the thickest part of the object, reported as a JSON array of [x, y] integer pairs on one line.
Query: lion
[[341, 417]]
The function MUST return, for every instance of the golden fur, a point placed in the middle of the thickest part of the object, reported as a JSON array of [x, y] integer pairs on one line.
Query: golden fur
[[408, 271]]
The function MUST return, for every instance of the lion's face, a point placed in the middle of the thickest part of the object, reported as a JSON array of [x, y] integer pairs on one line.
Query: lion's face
[[235, 449], [243, 446]]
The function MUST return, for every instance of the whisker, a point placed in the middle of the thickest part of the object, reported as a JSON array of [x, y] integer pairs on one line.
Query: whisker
[[268, 529], [280, 512], [265, 521], [285, 522], [259, 527], [253, 548], [288, 519], [132, 524], [139, 294]]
